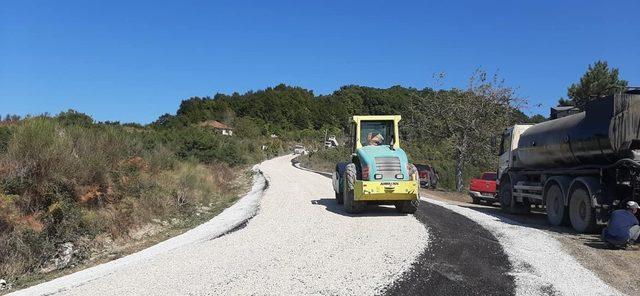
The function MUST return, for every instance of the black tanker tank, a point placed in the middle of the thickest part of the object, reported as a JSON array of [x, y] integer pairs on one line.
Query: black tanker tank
[[608, 130]]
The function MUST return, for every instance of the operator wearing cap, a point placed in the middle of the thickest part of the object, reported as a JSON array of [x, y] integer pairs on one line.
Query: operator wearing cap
[[622, 228]]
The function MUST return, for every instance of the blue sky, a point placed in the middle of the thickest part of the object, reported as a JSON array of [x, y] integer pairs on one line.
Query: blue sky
[[132, 61]]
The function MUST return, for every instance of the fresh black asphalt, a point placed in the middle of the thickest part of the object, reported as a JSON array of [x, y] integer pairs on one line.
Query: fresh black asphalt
[[462, 258]]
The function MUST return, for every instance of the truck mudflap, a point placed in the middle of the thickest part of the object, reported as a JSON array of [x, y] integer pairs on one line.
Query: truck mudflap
[[386, 190]]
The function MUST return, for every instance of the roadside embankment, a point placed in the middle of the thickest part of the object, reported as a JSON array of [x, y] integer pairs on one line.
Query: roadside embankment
[[230, 219]]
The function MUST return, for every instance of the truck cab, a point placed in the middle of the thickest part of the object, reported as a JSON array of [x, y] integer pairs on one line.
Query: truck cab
[[508, 145], [379, 171]]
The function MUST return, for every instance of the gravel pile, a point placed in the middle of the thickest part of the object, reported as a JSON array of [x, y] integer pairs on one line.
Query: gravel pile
[[299, 243]]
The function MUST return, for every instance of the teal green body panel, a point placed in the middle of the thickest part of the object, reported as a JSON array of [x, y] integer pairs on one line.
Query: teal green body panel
[[367, 155]]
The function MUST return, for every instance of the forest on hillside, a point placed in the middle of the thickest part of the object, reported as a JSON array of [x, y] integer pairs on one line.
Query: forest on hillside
[[453, 129]]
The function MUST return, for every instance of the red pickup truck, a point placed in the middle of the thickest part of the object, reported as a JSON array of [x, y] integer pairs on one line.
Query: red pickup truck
[[483, 188]]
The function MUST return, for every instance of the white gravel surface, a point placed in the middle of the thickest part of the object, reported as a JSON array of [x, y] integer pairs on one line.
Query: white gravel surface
[[541, 266], [299, 243]]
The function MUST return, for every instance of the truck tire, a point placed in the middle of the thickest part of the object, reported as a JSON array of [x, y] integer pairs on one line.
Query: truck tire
[[557, 213], [407, 207], [505, 196], [339, 197], [581, 212], [350, 205], [509, 204]]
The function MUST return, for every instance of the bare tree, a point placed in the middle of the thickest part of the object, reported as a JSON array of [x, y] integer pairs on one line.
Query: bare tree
[[469, 119]]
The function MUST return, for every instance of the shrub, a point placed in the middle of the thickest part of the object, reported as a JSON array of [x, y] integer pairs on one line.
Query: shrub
[[325, 159], [5, 136]]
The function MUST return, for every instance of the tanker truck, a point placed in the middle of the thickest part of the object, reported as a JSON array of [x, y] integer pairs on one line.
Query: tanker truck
[[580, 167]]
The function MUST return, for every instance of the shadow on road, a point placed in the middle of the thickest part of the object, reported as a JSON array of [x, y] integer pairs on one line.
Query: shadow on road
[[596, 243], [331, 205]]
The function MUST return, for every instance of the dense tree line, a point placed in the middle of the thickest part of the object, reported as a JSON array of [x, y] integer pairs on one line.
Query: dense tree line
[[434, 126], [285, 108]]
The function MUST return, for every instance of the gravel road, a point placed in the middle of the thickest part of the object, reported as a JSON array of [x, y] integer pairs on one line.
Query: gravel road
[[299, 243]]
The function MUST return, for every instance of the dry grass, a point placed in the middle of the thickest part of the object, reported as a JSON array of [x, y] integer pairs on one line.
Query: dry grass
[[74, 183]]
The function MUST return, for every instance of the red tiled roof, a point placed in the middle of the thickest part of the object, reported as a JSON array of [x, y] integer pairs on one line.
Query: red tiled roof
[[215, 124]]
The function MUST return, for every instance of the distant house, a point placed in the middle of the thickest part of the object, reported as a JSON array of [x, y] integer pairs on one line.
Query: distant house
[[218, 126]]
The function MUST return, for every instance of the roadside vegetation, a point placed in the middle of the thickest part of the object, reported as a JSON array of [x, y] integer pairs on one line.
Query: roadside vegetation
[[68, 184], [325, 160]]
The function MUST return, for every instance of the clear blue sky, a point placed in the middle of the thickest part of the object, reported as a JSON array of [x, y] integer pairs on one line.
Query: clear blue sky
[[126, 61]]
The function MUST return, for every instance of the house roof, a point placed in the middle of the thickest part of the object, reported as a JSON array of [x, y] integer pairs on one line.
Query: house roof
[[215, 124]]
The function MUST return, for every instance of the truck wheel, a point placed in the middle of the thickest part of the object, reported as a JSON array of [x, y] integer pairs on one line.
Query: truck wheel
[[339, 197], [350, 205], [581, 213], [509, 204], [505, 196], [407, 207], [474, 199], [557, 213]]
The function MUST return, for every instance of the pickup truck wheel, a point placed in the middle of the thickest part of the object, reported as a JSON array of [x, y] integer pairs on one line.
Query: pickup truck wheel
[[557, 213], [505, 196], [350, 205], [581, 213], [407, 207], [474, 199]]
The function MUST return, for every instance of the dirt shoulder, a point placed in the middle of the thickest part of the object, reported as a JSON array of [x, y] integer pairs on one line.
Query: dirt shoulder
[[618, 268]]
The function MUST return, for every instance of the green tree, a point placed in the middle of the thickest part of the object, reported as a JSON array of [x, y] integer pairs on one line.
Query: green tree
[[537, 118], [467, 120], [598, 81]]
